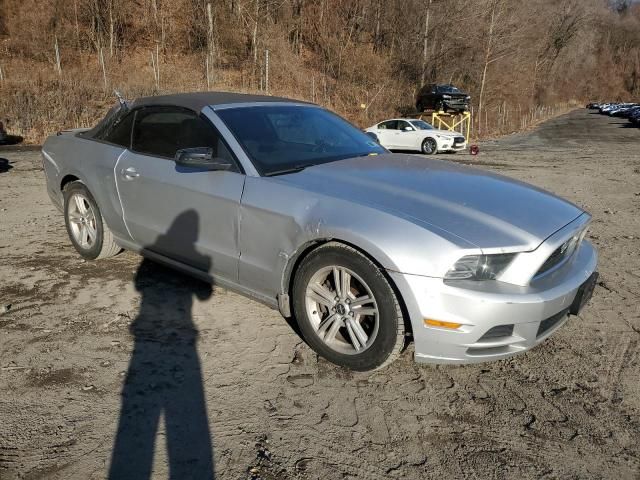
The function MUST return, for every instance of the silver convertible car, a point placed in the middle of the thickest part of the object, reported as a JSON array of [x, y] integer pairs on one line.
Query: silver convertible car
[[291, 205]]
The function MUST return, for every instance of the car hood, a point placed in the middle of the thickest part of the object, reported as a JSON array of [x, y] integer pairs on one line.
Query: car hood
[[444, 133], [486, 210]]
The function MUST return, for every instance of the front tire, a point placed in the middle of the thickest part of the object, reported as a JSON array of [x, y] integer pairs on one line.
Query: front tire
[[346, 309], [429, 146], [86, 228]]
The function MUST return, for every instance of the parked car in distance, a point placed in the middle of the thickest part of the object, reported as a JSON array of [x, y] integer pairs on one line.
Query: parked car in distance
[[613, 108], [625, 111], [593, 106], [417, 135], [442, 98], [605, 107], [618, 108], [287, 203]]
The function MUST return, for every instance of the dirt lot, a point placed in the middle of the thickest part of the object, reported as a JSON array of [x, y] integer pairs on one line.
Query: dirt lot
[[568, 409]]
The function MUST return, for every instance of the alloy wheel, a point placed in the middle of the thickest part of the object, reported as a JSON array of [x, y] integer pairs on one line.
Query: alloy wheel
[[342, 309], [429, 146], [82, 221]]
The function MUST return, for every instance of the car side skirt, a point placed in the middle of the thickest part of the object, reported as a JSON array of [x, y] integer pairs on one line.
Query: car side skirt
[[199, 274]]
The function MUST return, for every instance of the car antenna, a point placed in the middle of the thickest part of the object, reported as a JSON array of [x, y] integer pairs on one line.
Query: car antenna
[[121, 100]]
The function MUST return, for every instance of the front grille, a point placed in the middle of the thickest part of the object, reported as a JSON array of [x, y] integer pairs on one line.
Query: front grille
[[458, 140], [548, 323], [497, 332]]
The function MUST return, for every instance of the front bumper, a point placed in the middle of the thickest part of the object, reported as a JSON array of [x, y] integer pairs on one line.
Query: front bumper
[[450, 146], [453, 147], [535, 311], [459, 105]]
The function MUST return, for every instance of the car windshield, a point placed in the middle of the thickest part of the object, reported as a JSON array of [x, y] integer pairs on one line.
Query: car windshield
[[448, 89], [285, 138], [421, 125]]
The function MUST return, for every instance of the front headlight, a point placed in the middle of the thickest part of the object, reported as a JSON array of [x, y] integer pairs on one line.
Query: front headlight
[[479, 267]]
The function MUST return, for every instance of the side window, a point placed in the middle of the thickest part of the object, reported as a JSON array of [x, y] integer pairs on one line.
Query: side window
[[389, 125], [161, 131], [157, 130], [120, 133], [197, 132]]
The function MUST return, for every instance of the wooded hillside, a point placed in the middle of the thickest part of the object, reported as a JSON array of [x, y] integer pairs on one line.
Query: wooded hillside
[[61, 59]]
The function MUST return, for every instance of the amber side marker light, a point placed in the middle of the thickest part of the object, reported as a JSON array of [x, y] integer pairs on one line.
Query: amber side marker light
[[437, 323]]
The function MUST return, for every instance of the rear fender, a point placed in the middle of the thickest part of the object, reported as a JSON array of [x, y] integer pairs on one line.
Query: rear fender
[[92, 163]]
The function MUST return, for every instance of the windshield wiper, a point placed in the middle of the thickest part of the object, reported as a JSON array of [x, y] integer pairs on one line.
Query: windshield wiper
[[299, 168], [284, 171]]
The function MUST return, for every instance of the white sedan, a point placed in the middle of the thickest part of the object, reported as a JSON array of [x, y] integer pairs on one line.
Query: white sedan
[[413, 134]]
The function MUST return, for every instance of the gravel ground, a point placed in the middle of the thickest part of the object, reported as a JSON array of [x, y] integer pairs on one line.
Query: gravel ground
[[567, 409]]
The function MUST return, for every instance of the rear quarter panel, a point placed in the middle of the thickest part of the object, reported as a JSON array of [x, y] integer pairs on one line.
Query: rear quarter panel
[[92, 162]]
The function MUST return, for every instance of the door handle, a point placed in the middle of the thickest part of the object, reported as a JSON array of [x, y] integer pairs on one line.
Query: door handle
[[129, 173]]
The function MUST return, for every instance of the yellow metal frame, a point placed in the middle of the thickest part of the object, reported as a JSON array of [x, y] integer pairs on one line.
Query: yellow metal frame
[[453, 122]]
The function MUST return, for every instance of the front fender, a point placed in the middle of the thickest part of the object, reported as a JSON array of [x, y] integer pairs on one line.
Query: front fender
[[396, 243], [280, 221]]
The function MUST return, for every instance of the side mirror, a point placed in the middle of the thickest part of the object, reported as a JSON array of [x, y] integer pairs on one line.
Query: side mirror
[[407, 129], [201, 158], [373, 136]]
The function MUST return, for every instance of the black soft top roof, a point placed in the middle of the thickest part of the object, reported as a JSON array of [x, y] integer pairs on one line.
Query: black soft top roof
[[196, 101]]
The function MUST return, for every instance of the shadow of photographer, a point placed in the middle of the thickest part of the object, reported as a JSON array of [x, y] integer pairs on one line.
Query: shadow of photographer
[[164, 378], [5, 166]]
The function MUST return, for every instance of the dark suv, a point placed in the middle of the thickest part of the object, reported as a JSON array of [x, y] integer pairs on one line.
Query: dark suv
[[442, 97]]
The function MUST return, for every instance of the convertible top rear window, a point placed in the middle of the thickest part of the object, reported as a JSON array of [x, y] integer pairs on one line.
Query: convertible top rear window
[[110, 120], [278, 138], [120, 132]]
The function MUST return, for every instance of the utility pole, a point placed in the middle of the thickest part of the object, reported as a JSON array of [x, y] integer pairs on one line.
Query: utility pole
[[58, 66], [425, 44], [210, 45], [155, 65], [104, 70], [266, 71]]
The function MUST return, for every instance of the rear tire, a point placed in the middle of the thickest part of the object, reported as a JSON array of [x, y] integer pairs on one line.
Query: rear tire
[[86, 228], [429, 146], [327, 310]]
